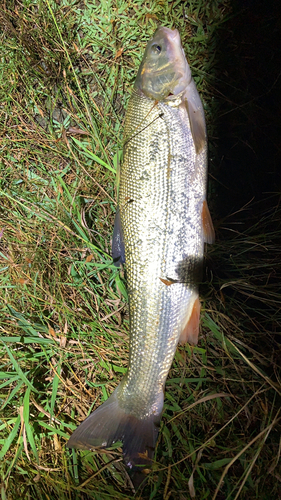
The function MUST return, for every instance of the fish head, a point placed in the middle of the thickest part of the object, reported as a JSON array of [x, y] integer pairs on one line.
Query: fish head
[[164, 70]]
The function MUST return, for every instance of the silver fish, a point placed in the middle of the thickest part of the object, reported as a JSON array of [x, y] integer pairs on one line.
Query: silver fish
[[161, 226]]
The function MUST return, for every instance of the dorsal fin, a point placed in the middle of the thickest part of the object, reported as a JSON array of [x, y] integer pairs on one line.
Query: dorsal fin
[[118, 248]]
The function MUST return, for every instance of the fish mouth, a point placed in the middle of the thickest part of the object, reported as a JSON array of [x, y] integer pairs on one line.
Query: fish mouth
[[172, 97], [172, 34]]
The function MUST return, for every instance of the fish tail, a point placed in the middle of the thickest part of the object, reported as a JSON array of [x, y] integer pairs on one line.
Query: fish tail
[[111, 423]]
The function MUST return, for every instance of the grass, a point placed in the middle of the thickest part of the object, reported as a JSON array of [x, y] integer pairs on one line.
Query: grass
[[67, 69]]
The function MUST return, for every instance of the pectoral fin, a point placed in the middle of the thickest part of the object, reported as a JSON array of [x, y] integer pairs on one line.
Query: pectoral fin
[[118, 248], [208, 228], [197, 125], [190, 331]]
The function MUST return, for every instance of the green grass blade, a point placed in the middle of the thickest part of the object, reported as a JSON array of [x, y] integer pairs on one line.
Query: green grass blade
[[19, 370], [9, 440], [28, 427], [92, 156], [55, 389], [13, 392]]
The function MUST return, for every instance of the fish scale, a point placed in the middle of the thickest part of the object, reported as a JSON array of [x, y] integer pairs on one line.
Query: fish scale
[[160, 213]]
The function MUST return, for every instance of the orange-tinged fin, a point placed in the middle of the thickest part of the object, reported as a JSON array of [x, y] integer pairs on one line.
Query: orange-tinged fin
[[109, 424], [190, 332], [197, 125], [208, 228]]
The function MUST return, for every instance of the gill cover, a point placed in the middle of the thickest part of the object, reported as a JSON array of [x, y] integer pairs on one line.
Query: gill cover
[[164, 69]]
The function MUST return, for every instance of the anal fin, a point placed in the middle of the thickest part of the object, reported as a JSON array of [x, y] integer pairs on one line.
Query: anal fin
[[190, 331], [208, 228]]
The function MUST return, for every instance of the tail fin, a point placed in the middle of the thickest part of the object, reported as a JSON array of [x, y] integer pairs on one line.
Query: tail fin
[[110, 423]]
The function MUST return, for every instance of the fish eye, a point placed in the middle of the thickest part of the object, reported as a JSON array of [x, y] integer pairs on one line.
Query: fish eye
[[156, 48]]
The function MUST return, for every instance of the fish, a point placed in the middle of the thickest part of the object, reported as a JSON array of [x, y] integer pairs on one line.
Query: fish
[[162, 223]]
